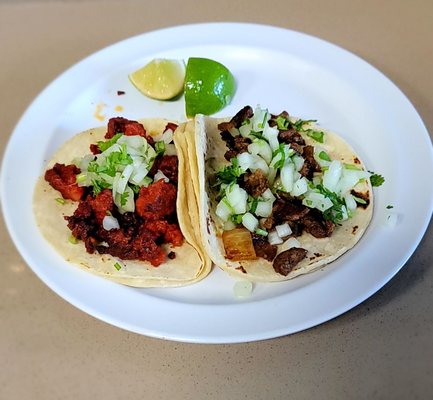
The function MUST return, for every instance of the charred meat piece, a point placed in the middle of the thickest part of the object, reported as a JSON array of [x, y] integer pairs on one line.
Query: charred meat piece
[[156, 201], [291, 136], [102, 204], [315, 224], [288, 210], [263, 248], [168, 165], [255, 183], [170, 233], [237, 120], [82, 223], [310, 164], [282, 114], [287, 260], [127, 127], [64, 179], [236, 144]]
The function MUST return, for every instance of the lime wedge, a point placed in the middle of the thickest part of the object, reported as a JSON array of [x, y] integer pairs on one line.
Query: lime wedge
[[209, 86], [160, 79]]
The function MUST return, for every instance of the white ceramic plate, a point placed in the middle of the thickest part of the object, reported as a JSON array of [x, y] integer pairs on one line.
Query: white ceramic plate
[[278, 69]]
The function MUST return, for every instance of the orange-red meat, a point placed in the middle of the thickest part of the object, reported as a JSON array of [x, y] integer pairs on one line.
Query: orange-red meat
[[64, 179], [157, 201]]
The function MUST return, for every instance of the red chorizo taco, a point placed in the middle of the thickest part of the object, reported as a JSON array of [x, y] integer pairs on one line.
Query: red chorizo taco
[[118, 202], [279, 196]]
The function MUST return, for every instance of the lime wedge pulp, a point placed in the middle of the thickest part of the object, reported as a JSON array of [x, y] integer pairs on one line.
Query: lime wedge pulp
[[160, 79], [209, 86]]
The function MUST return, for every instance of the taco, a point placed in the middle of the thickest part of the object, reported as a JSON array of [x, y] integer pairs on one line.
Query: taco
[[118, 202], [279, 196]]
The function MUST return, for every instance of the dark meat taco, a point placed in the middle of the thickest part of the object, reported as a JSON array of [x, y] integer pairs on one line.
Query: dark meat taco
[[118, 202], [279, 196]]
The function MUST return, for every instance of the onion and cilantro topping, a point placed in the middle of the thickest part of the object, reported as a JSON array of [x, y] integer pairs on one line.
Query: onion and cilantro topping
[[123, 165], [329, 189]]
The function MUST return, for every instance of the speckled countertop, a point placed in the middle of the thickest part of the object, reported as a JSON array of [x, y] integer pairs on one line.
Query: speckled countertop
[[382, 349]]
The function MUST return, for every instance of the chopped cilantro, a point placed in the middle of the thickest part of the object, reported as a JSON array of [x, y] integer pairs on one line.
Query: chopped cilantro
[[117, 266], [236, 218], [230, 173], [124, 198], [318, 136], [160, 147], [282, 123], [104, 145], [335, 213], [389, 206], [323, 155], [376, 179]]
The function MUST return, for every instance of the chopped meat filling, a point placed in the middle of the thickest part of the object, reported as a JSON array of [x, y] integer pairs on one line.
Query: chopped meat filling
[[168, 165], [127, 127], [286, 261], [156, 201], [64, 179], [263, 248], [310, 164], [255, 183]]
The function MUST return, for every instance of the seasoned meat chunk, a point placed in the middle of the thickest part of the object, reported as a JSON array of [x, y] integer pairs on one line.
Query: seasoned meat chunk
[[263, 248], [255, 183], [291, 136], [102, 204], [64, 179], [168, 165], [127, 127], [236, 144], [237, 120], [316, 225], [156, 201], [310, 164], [287, 260]]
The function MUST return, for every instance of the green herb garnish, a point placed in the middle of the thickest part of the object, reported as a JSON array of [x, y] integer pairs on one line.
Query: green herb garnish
[[117, 266], [318, 136], [376, 179], [230, 173], [104, 145]]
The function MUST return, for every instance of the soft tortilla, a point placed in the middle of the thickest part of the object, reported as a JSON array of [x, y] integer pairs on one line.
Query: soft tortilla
[[190, 265], [210, 149]]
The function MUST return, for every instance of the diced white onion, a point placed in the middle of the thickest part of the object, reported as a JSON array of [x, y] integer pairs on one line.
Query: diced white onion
[[252, 162], [261, 147], [350, 202], [124, 178], [264, 208], [271, 133], [170, 149], [242, 289], [273, 238], [288, 244], [237, 198], [300, 187], [332, 175], [223, 209], [160, 175], [167, 136], [298, 161], [317, 200], [250, 222], [283, 230], [260, 115], [268, 195], [287, 176], [109, 222]]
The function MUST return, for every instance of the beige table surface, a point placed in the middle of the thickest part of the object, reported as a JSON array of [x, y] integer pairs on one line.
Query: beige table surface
[[382, 349]]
